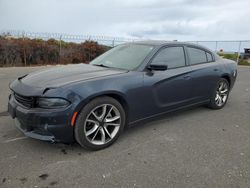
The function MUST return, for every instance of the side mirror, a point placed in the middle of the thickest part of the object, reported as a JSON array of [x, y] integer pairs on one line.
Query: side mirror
[[157, 67]]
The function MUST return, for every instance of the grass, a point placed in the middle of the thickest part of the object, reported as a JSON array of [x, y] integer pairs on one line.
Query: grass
[[234, 58], [243, 62]]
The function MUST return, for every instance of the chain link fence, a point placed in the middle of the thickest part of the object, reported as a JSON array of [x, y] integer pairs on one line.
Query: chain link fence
[[19, 48], [104, 40], [227, 46], [234, 49]]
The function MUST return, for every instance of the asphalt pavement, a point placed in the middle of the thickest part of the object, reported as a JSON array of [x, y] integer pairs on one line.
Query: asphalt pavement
[[198, 147]]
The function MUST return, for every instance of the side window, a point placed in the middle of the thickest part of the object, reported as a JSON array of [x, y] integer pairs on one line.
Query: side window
[[209, 57], [173, 57], [197, 56]]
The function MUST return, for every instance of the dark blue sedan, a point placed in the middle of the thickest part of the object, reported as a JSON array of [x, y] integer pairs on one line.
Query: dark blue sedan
[[132, 82]]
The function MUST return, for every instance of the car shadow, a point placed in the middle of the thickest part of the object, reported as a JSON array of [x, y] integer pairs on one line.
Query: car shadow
[[76, 149]]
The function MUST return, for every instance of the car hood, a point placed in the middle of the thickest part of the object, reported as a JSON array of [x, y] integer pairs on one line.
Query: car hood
[[62, 75], [39, 81]]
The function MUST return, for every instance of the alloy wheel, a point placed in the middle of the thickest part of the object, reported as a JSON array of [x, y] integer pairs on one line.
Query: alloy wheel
[[221, 93], [102, 124]]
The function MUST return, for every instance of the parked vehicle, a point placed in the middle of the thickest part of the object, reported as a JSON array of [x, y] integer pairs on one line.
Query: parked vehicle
[[92, 103], [245, 54]]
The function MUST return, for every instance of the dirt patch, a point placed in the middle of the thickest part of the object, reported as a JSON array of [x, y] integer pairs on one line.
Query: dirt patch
[[43, 176]]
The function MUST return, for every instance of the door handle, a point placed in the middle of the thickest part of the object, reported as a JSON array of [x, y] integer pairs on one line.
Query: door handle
[[215, 69], [187, 77]]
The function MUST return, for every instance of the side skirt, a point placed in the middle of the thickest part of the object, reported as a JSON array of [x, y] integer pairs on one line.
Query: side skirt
[[166, 112]]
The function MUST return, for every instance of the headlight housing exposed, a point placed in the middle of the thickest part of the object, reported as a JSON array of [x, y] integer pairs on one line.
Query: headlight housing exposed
[[51, 103]]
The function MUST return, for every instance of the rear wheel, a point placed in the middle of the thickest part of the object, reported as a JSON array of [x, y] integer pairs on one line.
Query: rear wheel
[[100, 123], [220, 95]]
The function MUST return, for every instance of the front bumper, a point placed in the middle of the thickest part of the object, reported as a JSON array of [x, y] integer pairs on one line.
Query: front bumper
[[43, 124]]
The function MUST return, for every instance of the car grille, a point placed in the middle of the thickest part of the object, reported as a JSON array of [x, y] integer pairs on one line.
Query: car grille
[[25, 101]]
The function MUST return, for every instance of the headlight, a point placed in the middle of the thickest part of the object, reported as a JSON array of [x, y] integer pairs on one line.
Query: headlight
[[52, 103]]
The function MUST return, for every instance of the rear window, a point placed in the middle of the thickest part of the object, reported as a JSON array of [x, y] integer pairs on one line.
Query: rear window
[[209, 57], [196, 56]]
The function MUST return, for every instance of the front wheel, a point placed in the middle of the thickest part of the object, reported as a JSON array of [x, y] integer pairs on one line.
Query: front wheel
[[100, 123], [220, 95]]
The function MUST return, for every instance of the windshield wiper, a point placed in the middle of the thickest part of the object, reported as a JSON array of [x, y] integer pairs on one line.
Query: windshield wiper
[[101, 65]]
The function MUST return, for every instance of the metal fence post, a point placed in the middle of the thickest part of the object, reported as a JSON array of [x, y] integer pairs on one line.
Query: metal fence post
[[60, 48], [113, 42], [24, 49], [238, 53], [216, 46]]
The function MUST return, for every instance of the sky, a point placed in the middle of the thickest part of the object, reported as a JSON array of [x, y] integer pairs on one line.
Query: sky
[[148, 19]]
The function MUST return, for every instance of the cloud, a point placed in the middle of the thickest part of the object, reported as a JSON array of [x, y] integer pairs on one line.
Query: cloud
[[154, 19]]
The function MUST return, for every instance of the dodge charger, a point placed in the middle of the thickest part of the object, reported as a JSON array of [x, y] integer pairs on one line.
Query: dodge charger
[[93, 103]]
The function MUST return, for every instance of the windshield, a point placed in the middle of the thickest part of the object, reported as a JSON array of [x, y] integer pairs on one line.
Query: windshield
[[127, 56]]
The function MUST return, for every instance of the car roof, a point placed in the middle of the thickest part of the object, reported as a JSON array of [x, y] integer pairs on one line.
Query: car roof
[[162, 42], [153, 42]]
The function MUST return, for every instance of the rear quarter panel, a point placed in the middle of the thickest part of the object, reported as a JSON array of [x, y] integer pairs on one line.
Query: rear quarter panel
[[204, 79], [229, 69]]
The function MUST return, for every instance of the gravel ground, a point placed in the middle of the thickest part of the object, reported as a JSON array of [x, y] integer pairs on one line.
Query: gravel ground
[[198, 147]]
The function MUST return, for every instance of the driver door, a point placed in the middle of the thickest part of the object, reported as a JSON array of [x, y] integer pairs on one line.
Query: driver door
[[171, 88]]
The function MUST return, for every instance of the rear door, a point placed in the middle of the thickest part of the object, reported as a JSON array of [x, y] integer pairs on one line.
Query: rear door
[[205, 72], [170, 88]]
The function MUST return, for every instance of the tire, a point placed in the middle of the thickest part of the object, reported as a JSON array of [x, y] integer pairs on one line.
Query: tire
[[220, 95], [98, 125]]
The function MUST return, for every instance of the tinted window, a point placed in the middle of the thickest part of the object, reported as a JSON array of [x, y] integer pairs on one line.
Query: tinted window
[[127, 56], [196, 56], [209, 57], [172, 57]]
